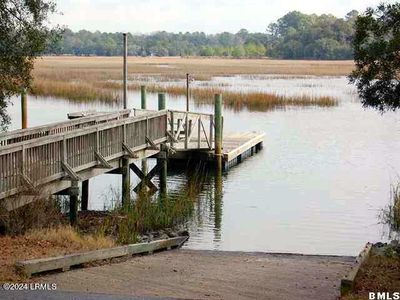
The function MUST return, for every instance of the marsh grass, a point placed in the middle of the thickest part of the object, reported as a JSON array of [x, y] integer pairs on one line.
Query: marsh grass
[[79, 91], [391, 214], [258, 101], [108, 92], [204, 68], [99, 78], [151, 213], [126, 223]]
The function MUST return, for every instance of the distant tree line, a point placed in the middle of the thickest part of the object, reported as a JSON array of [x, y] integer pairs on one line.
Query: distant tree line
[[294, 36]]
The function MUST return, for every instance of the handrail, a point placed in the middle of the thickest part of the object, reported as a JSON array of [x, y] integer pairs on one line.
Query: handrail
[[77, 132], [80, 143], [47, 158], [19, 135]]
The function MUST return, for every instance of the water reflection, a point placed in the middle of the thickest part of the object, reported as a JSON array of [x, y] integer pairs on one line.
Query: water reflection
[[316, 188], [217, 205]]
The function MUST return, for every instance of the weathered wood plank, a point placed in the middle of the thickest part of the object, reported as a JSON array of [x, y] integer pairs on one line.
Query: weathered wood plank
[[243, 147]]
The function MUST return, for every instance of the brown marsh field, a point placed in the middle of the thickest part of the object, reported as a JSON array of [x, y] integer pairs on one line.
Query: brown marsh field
[[100, 78]]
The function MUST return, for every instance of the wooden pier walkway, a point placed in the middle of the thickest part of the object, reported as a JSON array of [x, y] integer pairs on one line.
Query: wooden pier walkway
[[54, 158], [235, 148]]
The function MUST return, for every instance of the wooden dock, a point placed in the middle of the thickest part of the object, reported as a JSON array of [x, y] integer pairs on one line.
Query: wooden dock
[[235, 148], [55, 158]]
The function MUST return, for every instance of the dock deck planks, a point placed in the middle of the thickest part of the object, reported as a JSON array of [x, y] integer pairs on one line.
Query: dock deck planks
[[235, 147]]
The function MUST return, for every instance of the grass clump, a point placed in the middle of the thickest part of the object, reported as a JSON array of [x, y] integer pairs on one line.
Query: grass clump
[[255, 101], [40, 213], [78, 91], [144, 215], [148, 213], [391, 214], [68, 237]]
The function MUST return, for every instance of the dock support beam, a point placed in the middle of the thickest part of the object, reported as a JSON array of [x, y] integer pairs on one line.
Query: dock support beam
[[125, 70], [162, 160], [24, 110], [85, 195], [161, 101], [143, 97], [218, 203], [73, 203], [126, 181], [218, 130]]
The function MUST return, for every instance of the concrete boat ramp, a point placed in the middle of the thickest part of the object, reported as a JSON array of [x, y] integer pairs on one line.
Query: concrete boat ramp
[[191, 274]]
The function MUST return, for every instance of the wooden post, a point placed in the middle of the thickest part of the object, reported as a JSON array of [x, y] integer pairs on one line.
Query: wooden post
[[218, 201], [162, 160], [126, 181], [199, 133], [163, 171], [161, 101], [187, 110], [187, 91], [125, 70], [186, 130], [85, 195], [24, 110], [218, 129], [73, 203], [143, 97], [172, 127]]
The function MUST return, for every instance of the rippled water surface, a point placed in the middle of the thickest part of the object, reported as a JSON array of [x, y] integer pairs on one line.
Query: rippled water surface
[[317, 187]]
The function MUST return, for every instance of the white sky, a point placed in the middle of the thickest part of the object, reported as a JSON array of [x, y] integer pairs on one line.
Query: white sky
[[210, 16]]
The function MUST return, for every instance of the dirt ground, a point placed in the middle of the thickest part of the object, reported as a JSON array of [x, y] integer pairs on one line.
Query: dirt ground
[[191, 274]]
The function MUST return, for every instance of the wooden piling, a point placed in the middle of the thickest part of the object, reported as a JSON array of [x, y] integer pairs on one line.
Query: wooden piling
[[24, 110], [162, 158], [187, 91], [218, 200], [85, 195], [126, 181], [218, 129], [143, 97], [163, 171], [73, 203], [125, 70], [161, 101]]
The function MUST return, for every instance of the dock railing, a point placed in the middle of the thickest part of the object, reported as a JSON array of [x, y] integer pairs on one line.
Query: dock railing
[[52, 157], [16, 136], [194, 130], [40, 155]]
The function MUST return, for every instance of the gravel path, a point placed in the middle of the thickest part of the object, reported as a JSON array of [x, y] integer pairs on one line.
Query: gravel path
[[193, 274]]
